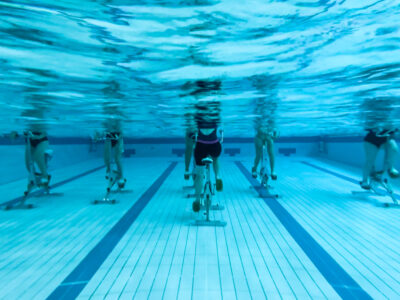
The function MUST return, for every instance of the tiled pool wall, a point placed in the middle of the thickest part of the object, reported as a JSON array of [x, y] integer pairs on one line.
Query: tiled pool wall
[[67, 151]]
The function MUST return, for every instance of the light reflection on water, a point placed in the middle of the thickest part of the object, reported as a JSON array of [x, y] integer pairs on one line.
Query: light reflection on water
[[308, 67]]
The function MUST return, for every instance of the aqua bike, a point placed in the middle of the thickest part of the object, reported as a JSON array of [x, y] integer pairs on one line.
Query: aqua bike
[[114, 178], [264, 176], [381, 186], [37, 184], [207, 199]]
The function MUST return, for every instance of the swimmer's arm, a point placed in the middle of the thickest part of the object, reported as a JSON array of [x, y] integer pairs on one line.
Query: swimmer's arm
[[29, 134], [276, 134], [393, 132], [389, 133], [221, 133], [98, 136], [273, 135]]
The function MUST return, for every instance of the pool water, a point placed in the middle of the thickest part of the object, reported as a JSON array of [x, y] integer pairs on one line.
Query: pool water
[[317, 73]]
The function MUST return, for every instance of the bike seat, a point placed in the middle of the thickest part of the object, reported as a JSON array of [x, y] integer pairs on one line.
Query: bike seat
[[207, 160]]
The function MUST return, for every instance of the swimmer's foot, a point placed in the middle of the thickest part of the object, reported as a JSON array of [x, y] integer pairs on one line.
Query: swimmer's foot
[[219, 185], [44, 181], [121, 183], [393, 173], [29, 188], [196, 206], [187, 175], [365, 185], [274, 176], [254, 172]]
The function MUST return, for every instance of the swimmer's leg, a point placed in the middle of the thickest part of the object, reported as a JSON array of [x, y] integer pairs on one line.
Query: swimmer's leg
[[39, 157], [371, 152], [198, 185], [258, 143], [189, 142], [28, 157], [216, 167], [271, 156], [391, 151], [107, 156], [118, 151]]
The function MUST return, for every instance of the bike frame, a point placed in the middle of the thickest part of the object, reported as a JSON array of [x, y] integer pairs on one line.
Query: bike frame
[[263, 170], [264, 175], [379, 180], [208, 193]]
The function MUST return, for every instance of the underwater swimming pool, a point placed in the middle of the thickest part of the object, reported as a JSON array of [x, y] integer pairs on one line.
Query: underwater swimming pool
[[277, 120]]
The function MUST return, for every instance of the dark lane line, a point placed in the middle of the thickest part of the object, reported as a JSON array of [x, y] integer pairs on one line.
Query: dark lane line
[[338, 278], [76, 281]]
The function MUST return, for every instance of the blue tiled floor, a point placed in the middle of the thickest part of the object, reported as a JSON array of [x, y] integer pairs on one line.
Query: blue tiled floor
[[159, 254]]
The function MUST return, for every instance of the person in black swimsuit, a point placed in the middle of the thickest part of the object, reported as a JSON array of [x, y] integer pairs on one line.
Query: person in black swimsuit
[[36, 153], [374, 140], [208, 144], [206, 118], [113, 149], [265, 136], [113, 133]]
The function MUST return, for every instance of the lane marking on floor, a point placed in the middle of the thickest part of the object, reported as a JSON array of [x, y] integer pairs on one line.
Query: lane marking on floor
[[338, 278], [76, 281]]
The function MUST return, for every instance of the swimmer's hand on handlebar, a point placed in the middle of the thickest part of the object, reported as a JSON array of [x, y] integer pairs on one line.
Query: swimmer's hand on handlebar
[[387, 133], [275, 134], [98, 136], [27, 133]]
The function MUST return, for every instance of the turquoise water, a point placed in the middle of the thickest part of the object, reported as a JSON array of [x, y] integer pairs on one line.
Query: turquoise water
[[310, 67]]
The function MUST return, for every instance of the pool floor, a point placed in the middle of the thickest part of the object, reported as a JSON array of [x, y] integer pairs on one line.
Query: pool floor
[[317, 240]]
